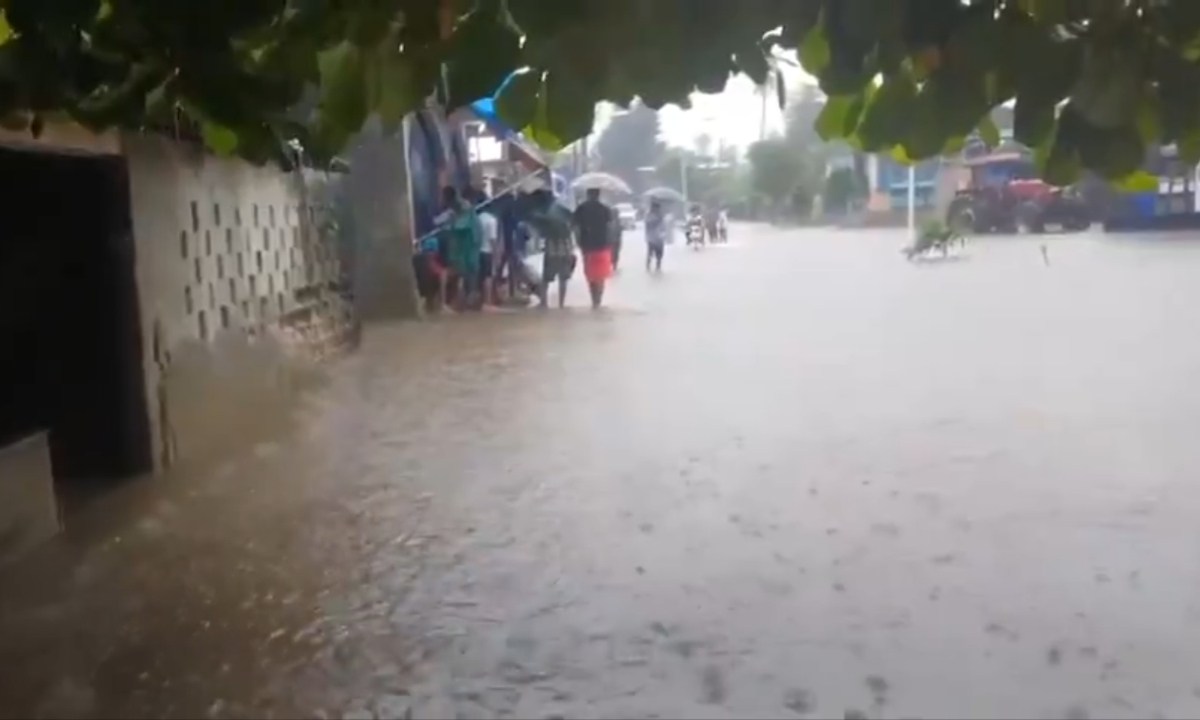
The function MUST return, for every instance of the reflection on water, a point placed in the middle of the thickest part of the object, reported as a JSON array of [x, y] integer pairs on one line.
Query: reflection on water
[[788, 478]]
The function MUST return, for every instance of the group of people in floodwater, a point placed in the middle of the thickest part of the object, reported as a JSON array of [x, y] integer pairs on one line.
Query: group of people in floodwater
[[479, 254]]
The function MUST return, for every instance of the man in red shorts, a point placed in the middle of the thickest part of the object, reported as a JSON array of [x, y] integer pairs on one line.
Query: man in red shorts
[[593, 226]]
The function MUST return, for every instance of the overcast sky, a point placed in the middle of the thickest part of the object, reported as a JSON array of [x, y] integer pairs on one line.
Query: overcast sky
[[731, 117]]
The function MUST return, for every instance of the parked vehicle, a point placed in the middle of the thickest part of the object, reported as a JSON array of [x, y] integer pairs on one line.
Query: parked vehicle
[[627, 214], [1005, 196]]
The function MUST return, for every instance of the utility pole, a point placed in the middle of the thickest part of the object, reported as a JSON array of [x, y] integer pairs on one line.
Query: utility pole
[[762, 118], [683, 188], [912, 203]]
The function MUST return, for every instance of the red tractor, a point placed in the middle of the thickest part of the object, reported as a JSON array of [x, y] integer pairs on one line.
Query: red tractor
[[1005, 196]]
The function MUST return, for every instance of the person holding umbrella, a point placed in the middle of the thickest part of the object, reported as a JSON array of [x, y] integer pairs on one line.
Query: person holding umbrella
[[593, 223]]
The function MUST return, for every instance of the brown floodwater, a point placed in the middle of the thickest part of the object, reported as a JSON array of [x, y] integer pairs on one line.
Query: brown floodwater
[[793, 477]]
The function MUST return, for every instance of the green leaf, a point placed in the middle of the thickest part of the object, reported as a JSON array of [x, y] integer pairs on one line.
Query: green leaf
[[900, 155], [1033, 120], [834, 116], [1113, 153], [1189, 147], [799, 18], [395, 85], [885, 120], [927, 130], [1109, 88], [814, 48], [1058, 160], [1045, 69], [539, 129], [5, 30], [1138, 181], [218, 138], [570, 112], [344, 96], [485, 49], [1179, 94], [974, 45], [1149, 119], [988, 132], [754, 63], [517, 103]]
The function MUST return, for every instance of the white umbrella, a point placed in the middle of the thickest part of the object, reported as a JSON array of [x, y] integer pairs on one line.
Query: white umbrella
[[602, 181], [664, 193]]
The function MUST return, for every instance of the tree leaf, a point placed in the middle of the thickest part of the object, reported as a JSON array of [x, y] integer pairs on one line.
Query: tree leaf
[[5, 30], [1109, 87], [343, 87], [1058, 159], [900, 155], [753, 62], [831, 123], [1138, 181], [570, 112], [1149, 120], [1188, 147], [400, 89], [814, 48], [989, 133], [539, 129], [1033, 120], [218, 138], [517, 103], [927, 130], [485, 49], [886, 118]]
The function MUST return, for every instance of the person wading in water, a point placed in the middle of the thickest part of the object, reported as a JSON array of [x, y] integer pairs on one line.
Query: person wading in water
[[552, 222], [593, 220], [656, 236]]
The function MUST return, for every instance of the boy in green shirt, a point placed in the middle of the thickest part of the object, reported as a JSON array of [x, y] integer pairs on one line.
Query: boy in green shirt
[[461, 228]]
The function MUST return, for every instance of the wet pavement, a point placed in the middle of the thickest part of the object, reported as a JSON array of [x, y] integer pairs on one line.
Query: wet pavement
[[794, 477]]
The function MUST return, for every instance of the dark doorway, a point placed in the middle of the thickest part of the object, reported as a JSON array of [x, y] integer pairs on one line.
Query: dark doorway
[[70, 336]]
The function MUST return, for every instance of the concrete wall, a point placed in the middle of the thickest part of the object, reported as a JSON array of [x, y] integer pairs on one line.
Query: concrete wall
[[238, 274], [376, 196], [28, 513]]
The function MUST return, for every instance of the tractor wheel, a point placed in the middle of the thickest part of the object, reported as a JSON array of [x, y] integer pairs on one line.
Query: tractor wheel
[[1030, 219], [1077, 224]]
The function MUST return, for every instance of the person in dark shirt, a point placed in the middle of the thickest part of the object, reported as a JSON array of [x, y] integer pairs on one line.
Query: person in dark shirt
[[593, 224], [553, 225]]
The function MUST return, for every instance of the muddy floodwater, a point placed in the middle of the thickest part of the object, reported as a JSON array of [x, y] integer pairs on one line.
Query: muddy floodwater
[[793, 477]]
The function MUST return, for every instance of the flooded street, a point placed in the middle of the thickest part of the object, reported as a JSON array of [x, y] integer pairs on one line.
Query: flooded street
[[793, 477]]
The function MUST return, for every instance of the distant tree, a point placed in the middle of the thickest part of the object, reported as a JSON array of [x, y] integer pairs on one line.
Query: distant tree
[[804, 106], [842, 188], [779, 173], [630, 142]]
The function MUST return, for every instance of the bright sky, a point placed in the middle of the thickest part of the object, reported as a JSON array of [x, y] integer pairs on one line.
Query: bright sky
[[731, 117]]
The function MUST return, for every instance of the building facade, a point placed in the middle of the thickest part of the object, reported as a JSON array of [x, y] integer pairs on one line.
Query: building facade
[[181, 300]]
